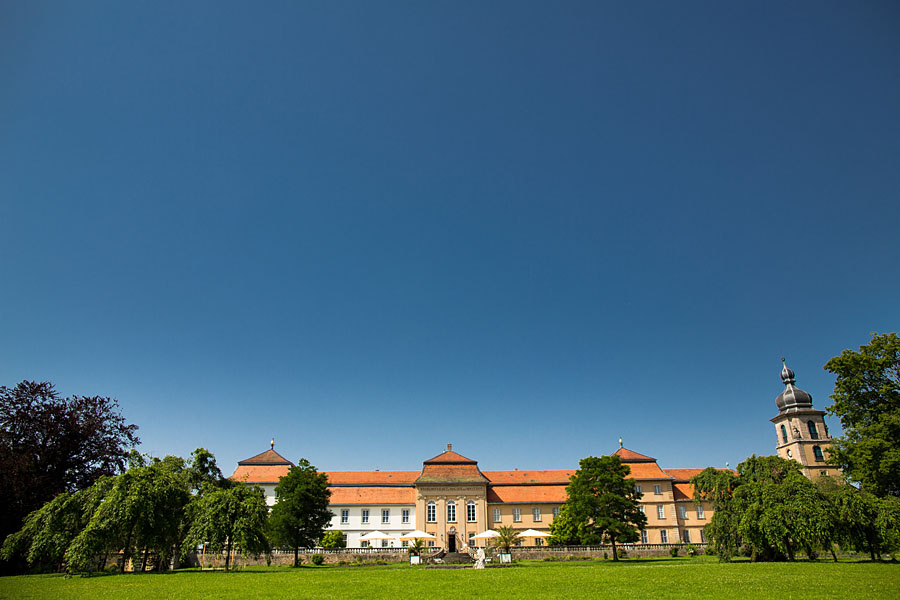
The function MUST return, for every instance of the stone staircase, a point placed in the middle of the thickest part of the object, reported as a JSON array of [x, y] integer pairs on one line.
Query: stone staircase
[[457, 558]]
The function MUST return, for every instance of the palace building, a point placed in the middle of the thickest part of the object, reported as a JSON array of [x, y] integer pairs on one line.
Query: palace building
[[452, 499]]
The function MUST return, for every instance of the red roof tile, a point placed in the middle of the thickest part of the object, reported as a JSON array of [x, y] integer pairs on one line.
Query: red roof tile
[[646, 470], [683, 474], [372, 477], [527, 493], [269, 457], [260, 474], [682, 491], [450, 457], [631, 456], [450, 472], [524, 477], [372, 495]]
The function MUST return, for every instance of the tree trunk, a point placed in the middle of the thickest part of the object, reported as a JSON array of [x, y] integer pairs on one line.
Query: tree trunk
[[615, 554], [833, 555], [296, 556], [126, 551], [227, 554], [144, 555]]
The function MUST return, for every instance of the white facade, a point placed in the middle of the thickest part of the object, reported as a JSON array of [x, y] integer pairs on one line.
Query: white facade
[[356, 520]]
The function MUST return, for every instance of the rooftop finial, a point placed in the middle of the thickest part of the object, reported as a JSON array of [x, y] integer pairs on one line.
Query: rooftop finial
[[272, 443], [620, 443], [787, 376]]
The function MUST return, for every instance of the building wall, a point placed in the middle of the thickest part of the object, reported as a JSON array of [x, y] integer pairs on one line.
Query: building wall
[[354, 528]]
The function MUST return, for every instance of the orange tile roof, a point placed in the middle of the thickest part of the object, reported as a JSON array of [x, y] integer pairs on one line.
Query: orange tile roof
[[520, 477], [683, 474], [631, 456], [372, 495], [646, 470], [447, 473], [260, 474], [527, 493], [269, 457], [372, 477], [682, 491], [450, 457]]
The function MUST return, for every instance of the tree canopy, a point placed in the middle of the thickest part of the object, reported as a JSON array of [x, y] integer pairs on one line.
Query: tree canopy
[[602, 505], [300, 514], [50, 445], [867, 401]]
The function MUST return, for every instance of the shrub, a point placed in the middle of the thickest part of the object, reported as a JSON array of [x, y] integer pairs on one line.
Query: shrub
[[709, 551], [605, 556], [620, 552], [317, 559], [691, 550], [673, 551], [299, 559]]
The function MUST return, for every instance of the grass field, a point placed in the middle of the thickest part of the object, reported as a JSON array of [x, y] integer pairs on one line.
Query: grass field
[[657, 579]]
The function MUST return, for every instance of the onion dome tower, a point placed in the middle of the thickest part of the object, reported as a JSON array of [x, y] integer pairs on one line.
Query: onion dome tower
[[802, 434]]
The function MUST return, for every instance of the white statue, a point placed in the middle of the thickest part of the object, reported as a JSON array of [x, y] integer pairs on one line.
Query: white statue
[[479, 558]]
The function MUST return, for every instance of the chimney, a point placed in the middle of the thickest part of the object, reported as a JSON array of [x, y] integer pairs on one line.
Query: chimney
[[449, 447]]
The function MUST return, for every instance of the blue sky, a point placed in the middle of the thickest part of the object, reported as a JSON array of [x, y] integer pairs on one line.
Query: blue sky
[[369, 229]]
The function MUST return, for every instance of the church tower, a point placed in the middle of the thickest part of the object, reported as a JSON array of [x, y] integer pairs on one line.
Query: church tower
[[801, 430]]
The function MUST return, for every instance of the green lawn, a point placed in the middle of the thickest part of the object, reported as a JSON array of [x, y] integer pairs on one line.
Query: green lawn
[[679, 578]]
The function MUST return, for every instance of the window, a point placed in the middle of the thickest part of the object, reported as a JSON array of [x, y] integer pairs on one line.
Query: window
[[384, 543], [817, 452], [555, 511], [365, 515], [643, 537], [517, 515], [404, 543], [385, 515], [431, 512], [660, 511], [470, 511], [703, 536], [404, 515], [657, 490], [363, 543], [700, 514], [451, 511], [813, 432], [345, 516], [496, 515], [663, 536], [431, 543], [686, 536], [345, 539], [682, 511], [641, 508], [536, 513], [538, 541], [638, 489], [784, 434]]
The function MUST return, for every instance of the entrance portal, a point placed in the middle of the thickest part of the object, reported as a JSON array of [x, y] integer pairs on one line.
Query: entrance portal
[[451, 542]]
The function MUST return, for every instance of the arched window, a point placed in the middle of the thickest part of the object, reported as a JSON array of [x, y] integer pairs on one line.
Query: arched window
[[451, 511], [813, 432], [470, 511], [817, 452], [431, 512], [784, 434]]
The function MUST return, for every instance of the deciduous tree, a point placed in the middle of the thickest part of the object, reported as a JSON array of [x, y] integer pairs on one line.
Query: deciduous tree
[[867, 401], [230, 518], [50, 445], [301, 513]]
